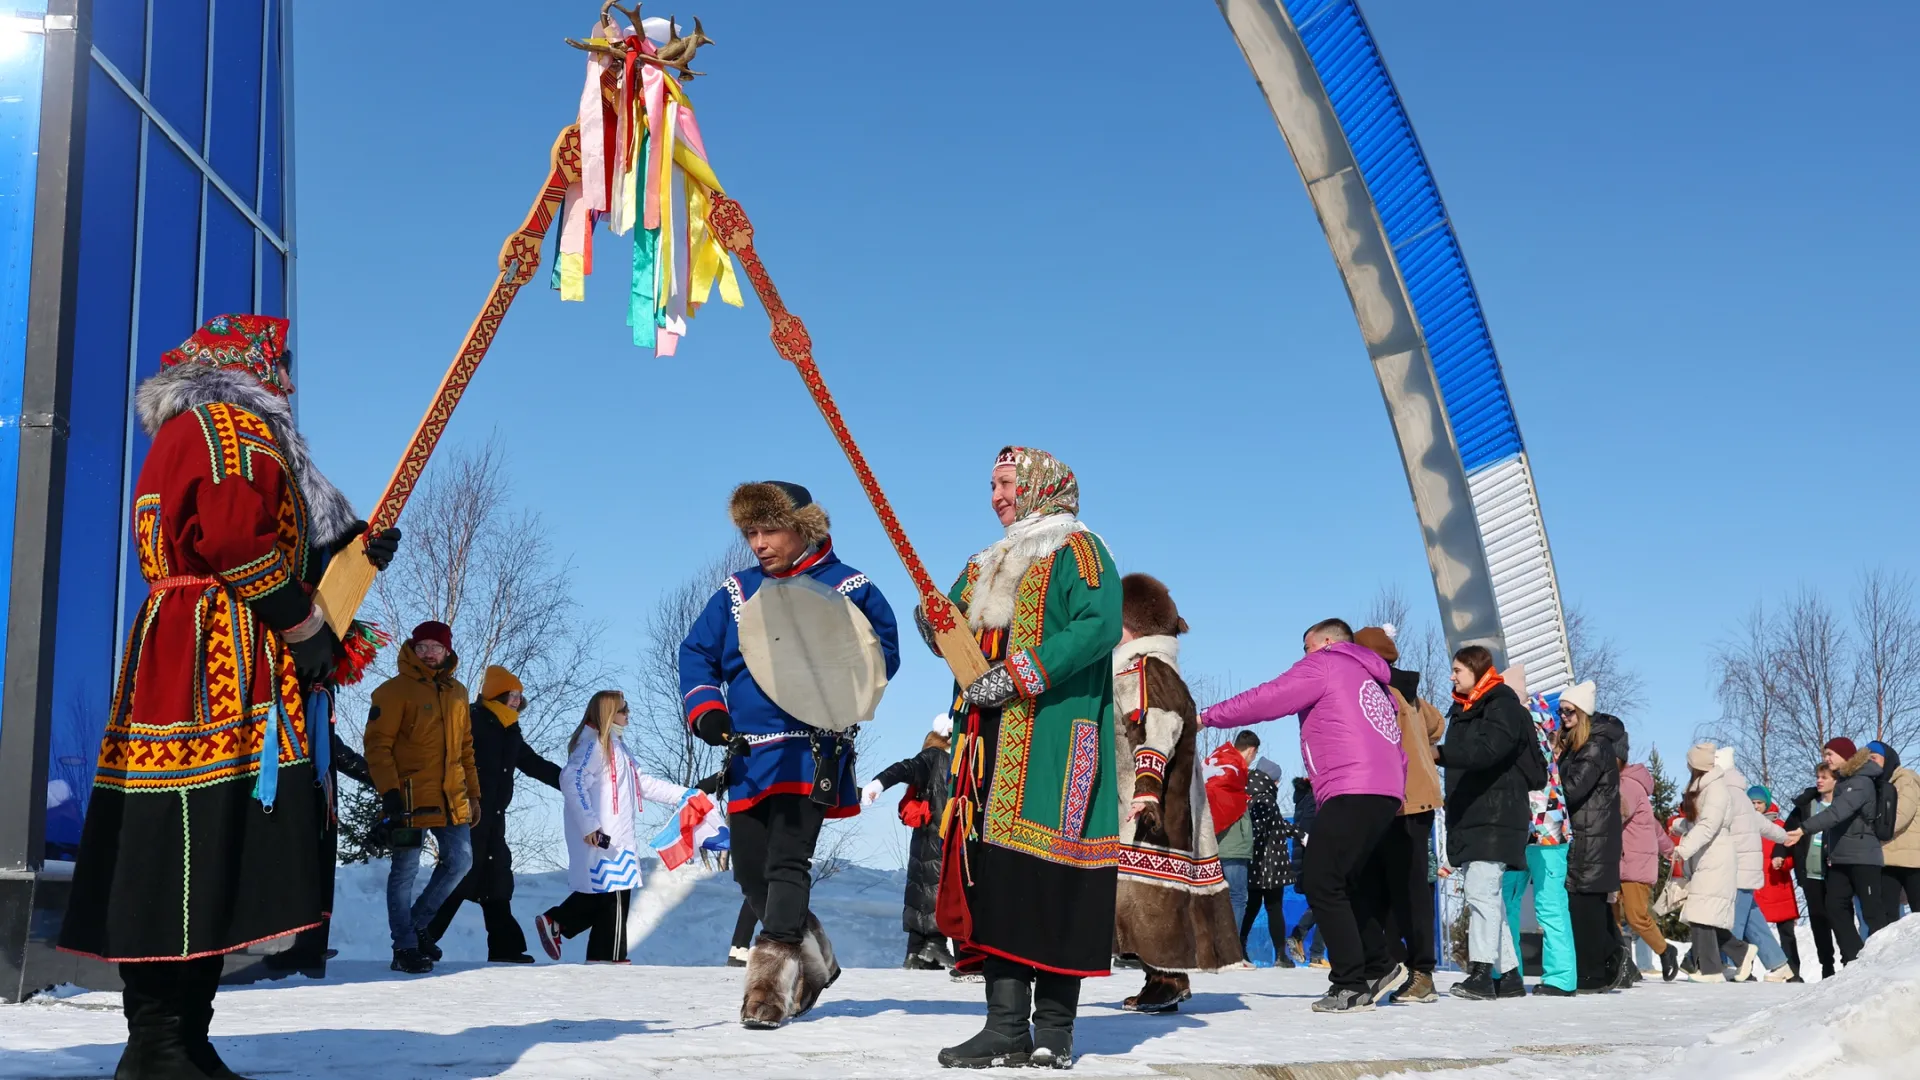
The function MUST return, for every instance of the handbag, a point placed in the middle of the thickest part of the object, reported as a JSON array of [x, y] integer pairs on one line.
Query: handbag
[[1673, 895]]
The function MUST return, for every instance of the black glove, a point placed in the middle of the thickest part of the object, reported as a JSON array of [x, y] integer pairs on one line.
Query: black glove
[[315, 657], [925, 627], [391, 805], [992, 690], [712, 784], [382, 547], [715, 727]]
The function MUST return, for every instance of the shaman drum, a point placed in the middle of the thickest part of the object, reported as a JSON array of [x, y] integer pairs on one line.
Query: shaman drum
[[812, 652]]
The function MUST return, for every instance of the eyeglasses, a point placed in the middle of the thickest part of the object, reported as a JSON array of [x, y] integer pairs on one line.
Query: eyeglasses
[[1566, 711], [623, 710]]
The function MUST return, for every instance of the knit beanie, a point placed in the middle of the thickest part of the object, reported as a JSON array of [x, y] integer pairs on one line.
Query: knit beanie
[[1760, 793], [497, 681], [433, 631], [1701, 757], [1877, 747], [1842, 746]]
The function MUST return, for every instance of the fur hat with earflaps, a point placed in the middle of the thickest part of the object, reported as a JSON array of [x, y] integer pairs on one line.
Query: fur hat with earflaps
[[776, 504], [1147, 608]]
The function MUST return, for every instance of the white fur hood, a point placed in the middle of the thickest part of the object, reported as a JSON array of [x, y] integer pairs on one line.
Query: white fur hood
[[1159, 647]]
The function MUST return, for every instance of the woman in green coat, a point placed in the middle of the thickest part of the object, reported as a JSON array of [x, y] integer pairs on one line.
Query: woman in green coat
[[1032, 828]]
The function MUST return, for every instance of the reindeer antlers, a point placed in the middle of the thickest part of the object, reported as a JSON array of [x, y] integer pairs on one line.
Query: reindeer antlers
[[677, 53]]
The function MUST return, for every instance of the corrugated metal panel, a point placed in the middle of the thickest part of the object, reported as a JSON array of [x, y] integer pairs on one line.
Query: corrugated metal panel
[[1523, 581], [1416, 223]]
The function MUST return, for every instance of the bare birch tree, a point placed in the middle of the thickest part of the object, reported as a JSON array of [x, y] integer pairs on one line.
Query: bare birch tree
[[1815, 672], [1751, 690], [1887, 656], [1597, 658], [473, 560], [1419, 641]]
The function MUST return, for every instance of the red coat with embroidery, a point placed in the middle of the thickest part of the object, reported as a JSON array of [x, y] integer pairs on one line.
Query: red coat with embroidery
[[178, 858]]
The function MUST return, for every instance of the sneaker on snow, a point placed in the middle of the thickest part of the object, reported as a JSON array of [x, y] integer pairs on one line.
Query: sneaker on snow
[[1707, 977], [1344, 1001], [1796, 979], [1127, 961], [1296, 950], [1549, 990], [410, 961], [430, 949], [549, 935], [1320, 962], [1746, 965], [1418, 991], [966, 976], [1242, 965], [1381, 988]]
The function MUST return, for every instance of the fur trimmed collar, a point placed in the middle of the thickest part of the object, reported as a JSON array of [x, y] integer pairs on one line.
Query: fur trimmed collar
[[1003, 565], [182, 387], [1160, 647]]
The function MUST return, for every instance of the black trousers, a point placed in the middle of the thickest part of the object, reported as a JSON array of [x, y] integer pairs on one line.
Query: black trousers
[[1817, 923], [505, 938], [1895, 880], [603, 915], [743, 926], [1272, 900], [1844, 883], [1401, 872], [1596, 948], [1340, 859], [773, 861]]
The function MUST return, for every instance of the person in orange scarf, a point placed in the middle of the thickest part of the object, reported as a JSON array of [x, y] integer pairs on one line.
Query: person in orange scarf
[[1491, 764]]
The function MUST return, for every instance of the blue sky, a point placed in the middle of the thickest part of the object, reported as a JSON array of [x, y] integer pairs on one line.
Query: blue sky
[[1082, 231]]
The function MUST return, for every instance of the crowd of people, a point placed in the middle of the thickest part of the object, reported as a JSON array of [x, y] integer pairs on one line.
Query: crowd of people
[[1064, 812]]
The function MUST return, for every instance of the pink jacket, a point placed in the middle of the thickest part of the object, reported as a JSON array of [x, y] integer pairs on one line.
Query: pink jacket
[[1349, 728], [1642, 840]]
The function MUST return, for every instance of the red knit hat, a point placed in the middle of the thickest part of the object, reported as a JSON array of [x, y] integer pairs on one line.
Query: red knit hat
[[433, 631], [1842, 746]]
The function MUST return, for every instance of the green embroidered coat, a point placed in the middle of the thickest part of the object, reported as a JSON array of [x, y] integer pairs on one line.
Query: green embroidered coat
[[1035, 779]]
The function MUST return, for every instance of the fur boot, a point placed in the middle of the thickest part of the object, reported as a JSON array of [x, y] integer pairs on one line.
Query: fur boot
[[785, 981], [1164, 992]]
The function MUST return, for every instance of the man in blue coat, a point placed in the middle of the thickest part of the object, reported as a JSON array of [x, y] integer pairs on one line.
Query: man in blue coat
[[744, 674]]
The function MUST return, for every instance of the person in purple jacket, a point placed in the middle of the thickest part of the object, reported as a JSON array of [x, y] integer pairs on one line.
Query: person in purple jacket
[[1350, 742]]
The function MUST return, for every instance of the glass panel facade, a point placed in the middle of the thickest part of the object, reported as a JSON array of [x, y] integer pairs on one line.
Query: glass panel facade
[[162, 248]]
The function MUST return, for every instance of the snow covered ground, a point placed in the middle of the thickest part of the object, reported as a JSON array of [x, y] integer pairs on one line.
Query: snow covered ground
[[664, 1017]]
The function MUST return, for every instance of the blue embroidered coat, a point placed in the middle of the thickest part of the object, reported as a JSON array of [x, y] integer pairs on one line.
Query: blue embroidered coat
[[713, 675]]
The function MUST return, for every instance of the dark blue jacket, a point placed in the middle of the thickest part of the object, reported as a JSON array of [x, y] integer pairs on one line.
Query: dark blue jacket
[[713, 675]]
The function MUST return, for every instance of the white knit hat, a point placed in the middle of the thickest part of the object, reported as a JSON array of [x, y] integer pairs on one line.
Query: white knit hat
[[1581, 696], [943, 726]]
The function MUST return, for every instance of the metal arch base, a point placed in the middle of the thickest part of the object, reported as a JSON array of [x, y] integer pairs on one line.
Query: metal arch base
[[1420, 318]]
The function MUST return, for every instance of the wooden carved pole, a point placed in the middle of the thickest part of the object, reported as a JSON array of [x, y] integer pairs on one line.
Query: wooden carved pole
[[790, 340], [349, 575]]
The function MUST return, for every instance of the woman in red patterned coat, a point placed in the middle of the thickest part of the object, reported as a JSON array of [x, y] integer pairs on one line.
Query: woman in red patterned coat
[[204, 831]]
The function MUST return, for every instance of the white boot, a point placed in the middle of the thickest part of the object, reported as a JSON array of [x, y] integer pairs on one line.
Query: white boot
[[1780, 974]]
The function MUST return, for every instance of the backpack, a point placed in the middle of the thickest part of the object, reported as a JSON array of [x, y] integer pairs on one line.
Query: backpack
[[1886, 807]]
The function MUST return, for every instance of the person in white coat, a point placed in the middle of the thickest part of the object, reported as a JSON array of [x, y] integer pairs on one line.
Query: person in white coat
[[602, 790], [1751, 827], [1711, 850]]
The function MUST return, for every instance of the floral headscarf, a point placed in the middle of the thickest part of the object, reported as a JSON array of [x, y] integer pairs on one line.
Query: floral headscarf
[[1045, 484], [254, 343]]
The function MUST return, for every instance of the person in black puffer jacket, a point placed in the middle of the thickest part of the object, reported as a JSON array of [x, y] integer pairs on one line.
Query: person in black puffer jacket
[[499, 750], [927, 780], [1305, 809], [1272, 868], [1491, 761], [1590, 781]]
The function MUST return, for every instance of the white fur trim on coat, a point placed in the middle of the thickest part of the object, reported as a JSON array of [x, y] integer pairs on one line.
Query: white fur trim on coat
[[176, 389], [1003, 565]]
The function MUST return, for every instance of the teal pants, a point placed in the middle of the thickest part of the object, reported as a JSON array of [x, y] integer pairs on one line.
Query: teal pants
[[1547, 872]]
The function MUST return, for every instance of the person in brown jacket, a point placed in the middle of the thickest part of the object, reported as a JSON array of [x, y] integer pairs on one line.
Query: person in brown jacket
[[419, 748], [1405, 854]]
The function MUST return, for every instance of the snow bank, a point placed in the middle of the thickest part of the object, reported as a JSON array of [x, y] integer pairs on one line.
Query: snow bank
[[1862, 1023], [682, 919]]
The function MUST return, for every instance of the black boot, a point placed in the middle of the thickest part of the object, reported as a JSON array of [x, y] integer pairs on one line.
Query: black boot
[[1512, 985], [1056, 1001], [1478, 985], [156, 1048], [1005, 1040], [199, 979]]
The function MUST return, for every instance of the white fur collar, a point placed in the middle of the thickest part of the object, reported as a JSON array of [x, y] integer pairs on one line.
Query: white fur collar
[[187, 386], [1158, 646], [1007, 561]]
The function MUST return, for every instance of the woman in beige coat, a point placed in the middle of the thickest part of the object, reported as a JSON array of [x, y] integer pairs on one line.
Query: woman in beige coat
[[1711, 849]]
